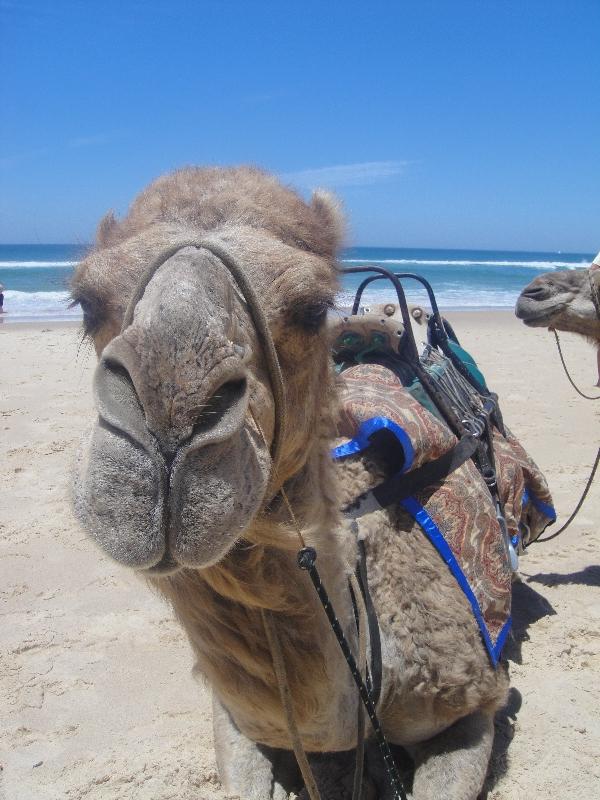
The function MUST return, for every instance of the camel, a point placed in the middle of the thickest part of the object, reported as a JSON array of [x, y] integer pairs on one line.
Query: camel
[[177, 481], [565, 300]]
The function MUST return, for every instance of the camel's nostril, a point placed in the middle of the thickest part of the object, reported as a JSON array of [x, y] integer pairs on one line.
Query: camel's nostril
[[536, 292], [226, 398]]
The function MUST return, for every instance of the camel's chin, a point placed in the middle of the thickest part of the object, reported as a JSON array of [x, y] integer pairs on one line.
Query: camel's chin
[[538, 322]]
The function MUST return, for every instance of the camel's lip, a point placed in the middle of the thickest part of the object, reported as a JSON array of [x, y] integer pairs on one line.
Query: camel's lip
[[541, 317]]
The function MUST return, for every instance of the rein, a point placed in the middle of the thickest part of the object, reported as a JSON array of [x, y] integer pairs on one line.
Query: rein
[[577, 507], [590, 480], [307, 555], [562, 360], [260, 324]]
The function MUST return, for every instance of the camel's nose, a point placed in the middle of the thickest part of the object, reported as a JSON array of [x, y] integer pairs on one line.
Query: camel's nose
[[125, 403], [536, 291]]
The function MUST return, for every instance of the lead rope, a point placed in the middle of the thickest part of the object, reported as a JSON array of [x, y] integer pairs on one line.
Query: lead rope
[[363, 630], [306, 561], [571, 381], [577, 507], [286, 701], [275, 450], [590, 480], [306, 556]]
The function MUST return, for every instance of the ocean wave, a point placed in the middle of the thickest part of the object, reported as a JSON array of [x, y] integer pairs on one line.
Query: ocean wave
[[446, 298], [43, 305], [55, 305], [19, 264], [546, 265]]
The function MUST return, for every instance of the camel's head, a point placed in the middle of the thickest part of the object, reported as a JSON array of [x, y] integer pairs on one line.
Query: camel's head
[[178, 463], [561, 300]]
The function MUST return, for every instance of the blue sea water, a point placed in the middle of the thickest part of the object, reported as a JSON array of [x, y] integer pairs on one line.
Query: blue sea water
[[36, 277]]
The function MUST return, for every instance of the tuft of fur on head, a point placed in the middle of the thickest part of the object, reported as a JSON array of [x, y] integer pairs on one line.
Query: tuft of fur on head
[[206, 199], [328, 209], [106, 229]]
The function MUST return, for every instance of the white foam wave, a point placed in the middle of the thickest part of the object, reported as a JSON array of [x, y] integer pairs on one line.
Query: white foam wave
[[448, 298], [19, 264], [40, 305], [55, 305], [547, 265]]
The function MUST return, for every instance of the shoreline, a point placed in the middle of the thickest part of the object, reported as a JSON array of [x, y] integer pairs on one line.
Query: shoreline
[[23, 322]]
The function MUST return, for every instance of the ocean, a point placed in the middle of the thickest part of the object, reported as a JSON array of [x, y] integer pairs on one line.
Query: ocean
[[36, 277]]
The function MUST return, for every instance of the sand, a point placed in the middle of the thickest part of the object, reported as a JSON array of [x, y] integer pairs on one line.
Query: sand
[[97, 696]]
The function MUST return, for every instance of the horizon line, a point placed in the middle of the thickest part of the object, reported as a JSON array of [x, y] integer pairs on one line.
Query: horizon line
[[591, 251]]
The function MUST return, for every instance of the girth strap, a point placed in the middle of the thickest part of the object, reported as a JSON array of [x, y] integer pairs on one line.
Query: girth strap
[[403, 485], [375, 673]]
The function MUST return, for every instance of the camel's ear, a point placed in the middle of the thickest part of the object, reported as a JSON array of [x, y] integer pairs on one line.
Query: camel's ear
[[328, 210], [105, 230]]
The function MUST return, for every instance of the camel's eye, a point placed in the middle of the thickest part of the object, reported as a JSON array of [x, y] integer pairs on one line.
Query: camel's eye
[[311, 316], [91, 316]]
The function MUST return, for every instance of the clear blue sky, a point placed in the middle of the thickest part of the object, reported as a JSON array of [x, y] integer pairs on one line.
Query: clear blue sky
[[440, 124]]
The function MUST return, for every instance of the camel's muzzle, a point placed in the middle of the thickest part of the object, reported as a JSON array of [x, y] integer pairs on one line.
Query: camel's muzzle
[[173, 472], [538, 304], [152, 507]]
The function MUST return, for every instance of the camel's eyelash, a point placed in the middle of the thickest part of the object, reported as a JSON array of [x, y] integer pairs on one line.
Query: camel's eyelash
[[311, 316], [92, 319]]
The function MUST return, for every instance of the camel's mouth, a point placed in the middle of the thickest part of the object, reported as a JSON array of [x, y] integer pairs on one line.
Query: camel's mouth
[[166, 566], [537, 317], [158, 521]]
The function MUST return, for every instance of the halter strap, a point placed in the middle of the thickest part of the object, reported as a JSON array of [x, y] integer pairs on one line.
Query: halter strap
[[594, 292], [260, 324]]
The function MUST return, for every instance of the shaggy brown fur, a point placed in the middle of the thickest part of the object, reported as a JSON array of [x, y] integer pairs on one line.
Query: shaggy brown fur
[[208, 540], [205, 199]]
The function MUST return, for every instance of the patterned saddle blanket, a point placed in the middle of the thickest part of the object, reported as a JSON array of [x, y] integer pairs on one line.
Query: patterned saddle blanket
[[457, 514]]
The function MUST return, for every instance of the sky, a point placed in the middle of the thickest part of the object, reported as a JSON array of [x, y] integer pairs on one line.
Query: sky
[[466, 124]]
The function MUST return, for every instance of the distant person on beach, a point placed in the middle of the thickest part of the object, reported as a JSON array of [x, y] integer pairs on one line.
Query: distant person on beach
[[1, 299]]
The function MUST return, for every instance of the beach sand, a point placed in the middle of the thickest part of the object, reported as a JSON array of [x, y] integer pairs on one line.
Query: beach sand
[[97, 696]]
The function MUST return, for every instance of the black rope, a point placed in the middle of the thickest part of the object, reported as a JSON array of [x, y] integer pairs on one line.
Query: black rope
[[306, 560], [579, 392], [596, 462], [577, 507]]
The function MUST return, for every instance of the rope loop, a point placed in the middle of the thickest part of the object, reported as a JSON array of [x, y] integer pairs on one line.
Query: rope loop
[[560, 353], [590, 480], [260, 324]]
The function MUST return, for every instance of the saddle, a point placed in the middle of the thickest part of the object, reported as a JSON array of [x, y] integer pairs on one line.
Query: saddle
[[457, 472]]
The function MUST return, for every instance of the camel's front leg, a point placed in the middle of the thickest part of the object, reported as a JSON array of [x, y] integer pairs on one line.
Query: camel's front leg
[[245, 769], [453, 764]]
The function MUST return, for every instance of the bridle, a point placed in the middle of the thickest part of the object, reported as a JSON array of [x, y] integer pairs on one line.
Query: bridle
[[594, 291], [260, 324], [307, 555], [596, 302]]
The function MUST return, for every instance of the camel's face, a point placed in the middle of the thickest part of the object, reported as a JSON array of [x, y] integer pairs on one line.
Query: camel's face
[[561, 300], [176, 466]]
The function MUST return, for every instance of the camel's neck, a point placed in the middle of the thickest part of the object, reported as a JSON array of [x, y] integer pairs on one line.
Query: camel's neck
[[221, 610]]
